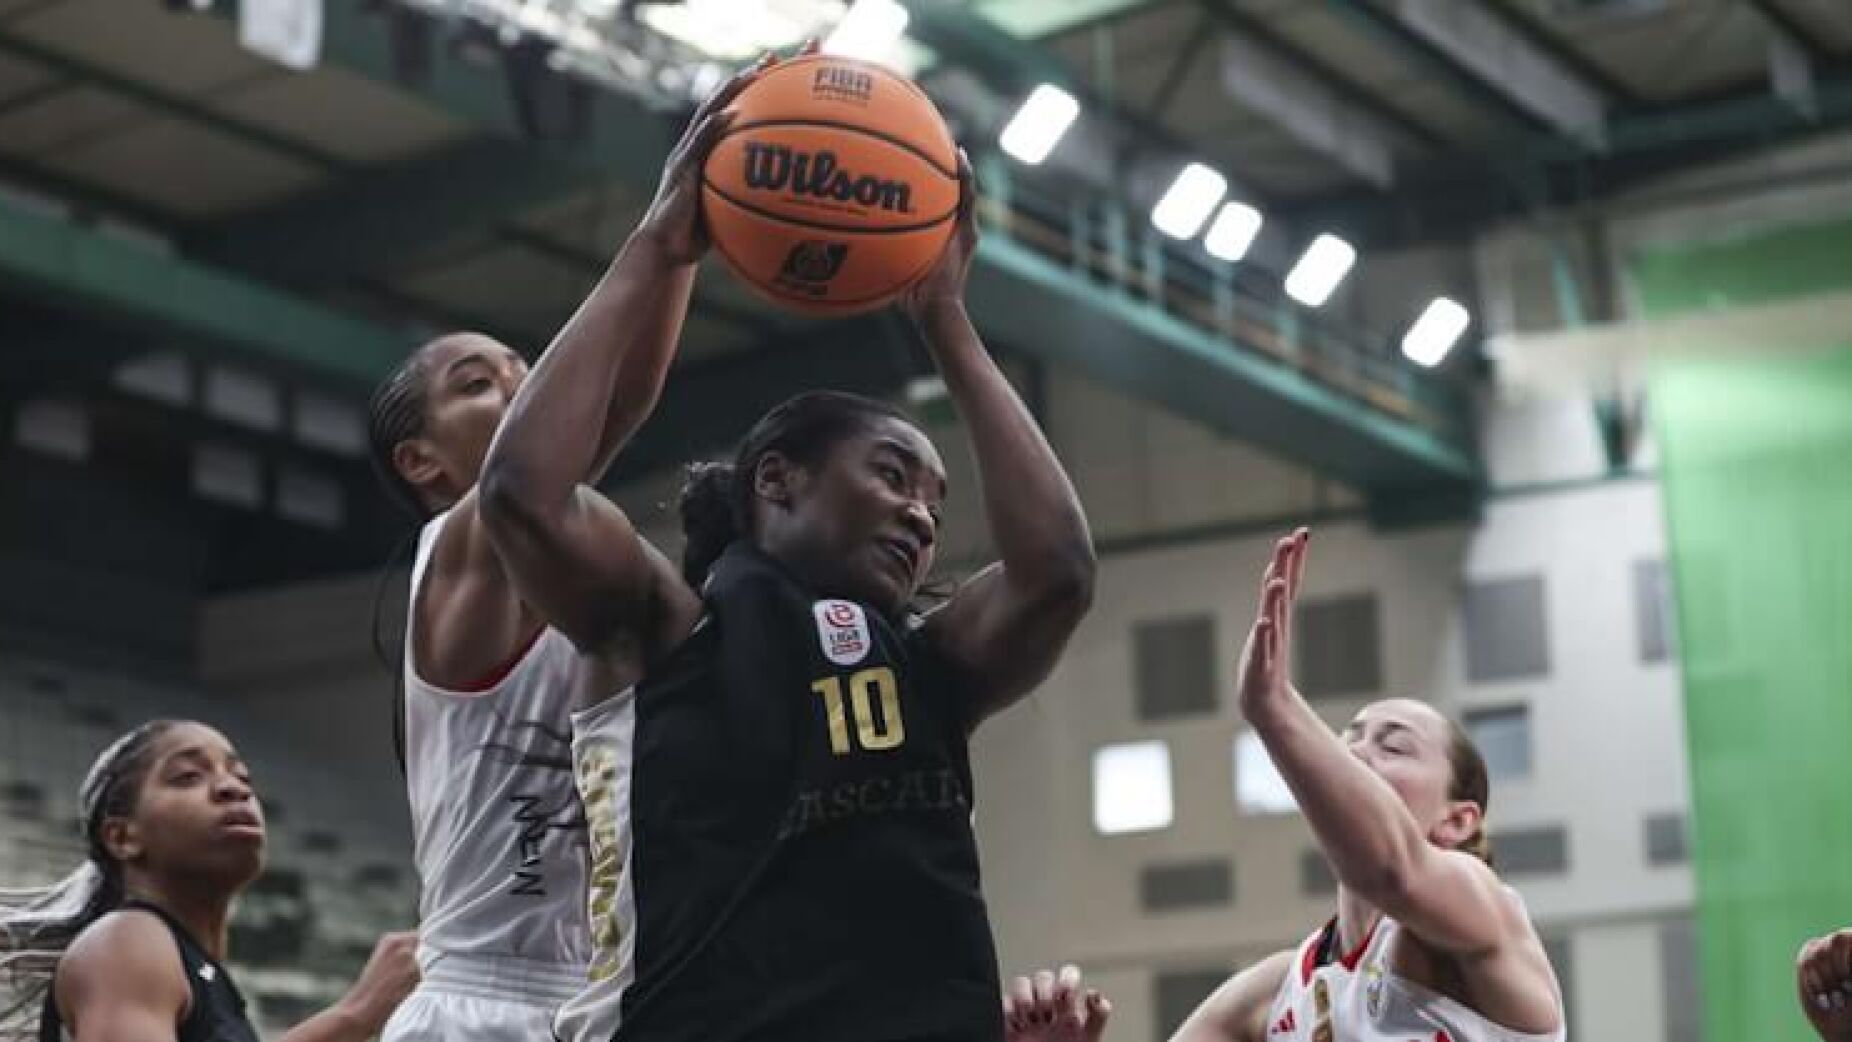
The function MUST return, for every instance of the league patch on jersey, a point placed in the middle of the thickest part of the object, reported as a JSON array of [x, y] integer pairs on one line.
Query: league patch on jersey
[[1373, 991], [842, 630]]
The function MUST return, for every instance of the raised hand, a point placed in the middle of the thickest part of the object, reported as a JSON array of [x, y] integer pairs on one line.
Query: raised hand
[[1054, 1007], [673, 221], [1264, 674], [944, 283], [1823, 973]]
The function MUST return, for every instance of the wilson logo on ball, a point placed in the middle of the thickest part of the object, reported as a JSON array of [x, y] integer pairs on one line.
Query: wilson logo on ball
[[779, 168]]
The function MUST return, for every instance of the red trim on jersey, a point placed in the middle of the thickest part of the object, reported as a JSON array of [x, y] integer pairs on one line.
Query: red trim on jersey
[[1350, 961], [1309, 961], [1317, 942], [494, 677]]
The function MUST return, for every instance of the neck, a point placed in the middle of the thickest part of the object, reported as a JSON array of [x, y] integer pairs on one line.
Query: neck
[[203, 908], [1355, 918]]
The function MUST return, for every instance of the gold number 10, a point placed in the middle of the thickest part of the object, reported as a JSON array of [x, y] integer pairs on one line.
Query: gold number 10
[[873, 731]]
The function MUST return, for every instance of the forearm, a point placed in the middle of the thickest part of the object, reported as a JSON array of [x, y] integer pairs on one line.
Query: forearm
[[1364, 829], [602, 373], [1035, 517]]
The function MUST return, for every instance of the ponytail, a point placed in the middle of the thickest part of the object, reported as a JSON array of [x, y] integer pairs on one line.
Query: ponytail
[[710, 518], [37, 924]]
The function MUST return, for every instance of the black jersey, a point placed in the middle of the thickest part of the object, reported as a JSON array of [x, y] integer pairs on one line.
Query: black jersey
[[216, 1012], [803, 864]]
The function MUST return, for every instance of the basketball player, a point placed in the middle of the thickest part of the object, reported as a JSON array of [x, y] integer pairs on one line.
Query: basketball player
[[132, 945], [488, 689], [793, 763], [1427, 942], [1823, 973]]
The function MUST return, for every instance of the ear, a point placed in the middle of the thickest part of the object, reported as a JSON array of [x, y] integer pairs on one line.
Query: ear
[[777, 479], [1464, 817], [122, 839], [415, 462]]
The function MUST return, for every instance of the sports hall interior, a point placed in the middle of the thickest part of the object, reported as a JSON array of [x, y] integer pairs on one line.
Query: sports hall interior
[[1604, 525]]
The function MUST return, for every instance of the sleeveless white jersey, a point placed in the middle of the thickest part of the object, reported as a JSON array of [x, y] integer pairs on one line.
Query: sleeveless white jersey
[[1358, 998], [498, 834]]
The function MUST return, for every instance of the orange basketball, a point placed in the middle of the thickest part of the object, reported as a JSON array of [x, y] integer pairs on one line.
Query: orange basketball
[[835, 188]]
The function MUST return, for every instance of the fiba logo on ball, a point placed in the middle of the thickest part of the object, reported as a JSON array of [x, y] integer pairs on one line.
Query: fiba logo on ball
[[780, 168], [810, 266], [842, 84]]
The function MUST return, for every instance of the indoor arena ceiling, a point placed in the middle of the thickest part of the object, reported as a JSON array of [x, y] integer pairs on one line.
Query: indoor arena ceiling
[[162, 188]]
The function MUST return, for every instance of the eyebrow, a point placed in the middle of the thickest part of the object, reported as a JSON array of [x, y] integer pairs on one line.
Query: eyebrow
[[197, 752], [479, 357], [911, 458]]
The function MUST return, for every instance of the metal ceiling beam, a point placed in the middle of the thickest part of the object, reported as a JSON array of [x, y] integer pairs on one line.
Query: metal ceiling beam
[[197, 305], [1327, 78], [1013, 67], [1452, 199], [173, 104], [1310, 102], [1486, 63], [1794, 58]]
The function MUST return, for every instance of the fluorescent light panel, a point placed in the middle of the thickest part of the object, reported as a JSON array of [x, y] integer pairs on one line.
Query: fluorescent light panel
[[1233, 231], [869, 31], [1189, 201], [1320, 270], [1435, 332], [1039, 125]]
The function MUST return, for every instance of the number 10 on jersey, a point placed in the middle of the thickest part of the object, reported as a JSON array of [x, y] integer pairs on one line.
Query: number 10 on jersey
[[876, 730]]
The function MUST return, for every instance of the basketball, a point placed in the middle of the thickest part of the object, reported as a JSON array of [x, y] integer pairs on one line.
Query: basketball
[[835, 188]]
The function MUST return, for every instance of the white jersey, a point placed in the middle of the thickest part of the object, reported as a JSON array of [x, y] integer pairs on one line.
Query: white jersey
[[498, 834], [1359, 998]]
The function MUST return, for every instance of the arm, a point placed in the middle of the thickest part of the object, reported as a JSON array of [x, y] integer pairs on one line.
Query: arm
[[122, 982], [1237, 1011], [1823, 974], [1447, 898], [1008, 624], [572, 554], [388, 977]]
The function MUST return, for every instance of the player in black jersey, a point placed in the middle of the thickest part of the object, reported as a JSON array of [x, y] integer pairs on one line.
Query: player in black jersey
[[132, 945], [788, 853]]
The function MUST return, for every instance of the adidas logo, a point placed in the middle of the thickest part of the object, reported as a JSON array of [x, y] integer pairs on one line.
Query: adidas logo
[[1284, 1025]]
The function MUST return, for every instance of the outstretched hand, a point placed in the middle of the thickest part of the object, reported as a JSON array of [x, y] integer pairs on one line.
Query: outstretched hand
[[673, 220], [944, 282], [1052, 1007], [1264, 675], [1823, 973]]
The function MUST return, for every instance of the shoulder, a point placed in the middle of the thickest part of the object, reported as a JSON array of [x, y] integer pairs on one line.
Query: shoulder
[[1237, 1011], [128, 957]]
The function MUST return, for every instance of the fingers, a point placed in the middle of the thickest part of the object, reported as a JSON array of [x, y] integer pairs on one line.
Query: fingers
[[1301, 540], [1098, 1012], [811, 46], [1022, 994], [1044, 995], [1068, 1001], [967, 188]]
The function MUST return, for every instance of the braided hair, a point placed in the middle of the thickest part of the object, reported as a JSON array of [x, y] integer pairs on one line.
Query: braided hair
[[38, 924]]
